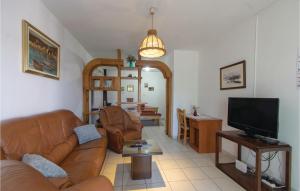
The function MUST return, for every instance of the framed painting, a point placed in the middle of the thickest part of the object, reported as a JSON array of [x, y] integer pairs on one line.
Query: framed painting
[[233, 76], [130, 88], [41, 55]]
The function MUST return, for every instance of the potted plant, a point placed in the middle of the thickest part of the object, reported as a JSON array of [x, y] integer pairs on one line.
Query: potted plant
[[131, 60]]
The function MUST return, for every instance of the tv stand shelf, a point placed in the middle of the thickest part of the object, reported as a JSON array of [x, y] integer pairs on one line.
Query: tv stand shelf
[[249, 181]]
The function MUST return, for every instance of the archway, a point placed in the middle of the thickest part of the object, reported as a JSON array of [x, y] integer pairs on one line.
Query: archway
[[165, 70], [87, 75]]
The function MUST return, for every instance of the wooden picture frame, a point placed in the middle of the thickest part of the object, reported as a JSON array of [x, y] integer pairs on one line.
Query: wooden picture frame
[[40, 54], [233, 76]]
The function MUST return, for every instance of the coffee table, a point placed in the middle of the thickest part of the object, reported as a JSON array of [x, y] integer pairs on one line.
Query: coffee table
[[141, 157]]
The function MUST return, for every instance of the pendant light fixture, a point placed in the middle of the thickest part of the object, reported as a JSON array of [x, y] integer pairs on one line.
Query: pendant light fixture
[[152, 46]]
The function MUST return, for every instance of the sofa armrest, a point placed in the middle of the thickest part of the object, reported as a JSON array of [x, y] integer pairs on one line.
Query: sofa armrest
[[113, 130], [115, 139], [99, 183], [16, 175]]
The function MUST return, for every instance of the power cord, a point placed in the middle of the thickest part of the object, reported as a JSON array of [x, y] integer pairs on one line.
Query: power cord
[[265, 159]]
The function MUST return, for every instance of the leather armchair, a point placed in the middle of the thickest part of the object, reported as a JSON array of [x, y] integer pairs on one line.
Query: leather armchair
[[120, 127]]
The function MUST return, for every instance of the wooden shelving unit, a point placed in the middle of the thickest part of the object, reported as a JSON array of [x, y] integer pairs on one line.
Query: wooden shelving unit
[[252, 182], [129, 68], [138, 78], [106, 83], [131, 78]]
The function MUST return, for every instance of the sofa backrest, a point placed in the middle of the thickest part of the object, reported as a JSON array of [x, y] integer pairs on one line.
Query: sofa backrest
[[113, 115], [48, 134]]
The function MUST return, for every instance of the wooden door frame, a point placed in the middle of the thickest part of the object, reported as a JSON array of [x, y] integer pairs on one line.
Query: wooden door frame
[[167, 73]]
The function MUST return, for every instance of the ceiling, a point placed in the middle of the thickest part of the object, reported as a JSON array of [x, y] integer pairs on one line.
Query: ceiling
[[105, 25]]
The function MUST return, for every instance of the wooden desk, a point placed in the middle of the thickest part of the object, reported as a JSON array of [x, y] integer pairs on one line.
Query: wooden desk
[[203, 131]]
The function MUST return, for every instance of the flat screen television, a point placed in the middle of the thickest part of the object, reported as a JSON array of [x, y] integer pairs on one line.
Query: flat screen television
[[255, 116]]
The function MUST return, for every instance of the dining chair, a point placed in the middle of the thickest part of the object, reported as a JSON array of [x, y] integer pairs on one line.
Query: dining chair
[[183, 129]]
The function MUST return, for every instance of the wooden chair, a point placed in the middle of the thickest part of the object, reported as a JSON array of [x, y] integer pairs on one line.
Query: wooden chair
[[183, 129]]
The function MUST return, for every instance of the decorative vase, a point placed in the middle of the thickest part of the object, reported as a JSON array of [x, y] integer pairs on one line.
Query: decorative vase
[[131, 64]]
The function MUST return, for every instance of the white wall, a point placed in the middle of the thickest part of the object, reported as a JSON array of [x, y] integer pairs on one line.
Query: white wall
[[23, 93], [0, 55], [299, 89], [235, 46], [272, 75], [185, 82]]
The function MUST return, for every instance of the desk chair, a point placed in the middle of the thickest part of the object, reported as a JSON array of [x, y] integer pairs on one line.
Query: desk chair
[[183, 129]]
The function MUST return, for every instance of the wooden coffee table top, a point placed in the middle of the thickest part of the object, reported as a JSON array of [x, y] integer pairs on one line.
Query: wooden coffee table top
[[151, 148]]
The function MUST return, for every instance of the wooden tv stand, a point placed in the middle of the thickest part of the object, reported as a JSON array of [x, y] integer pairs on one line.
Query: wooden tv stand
[[248, 181]]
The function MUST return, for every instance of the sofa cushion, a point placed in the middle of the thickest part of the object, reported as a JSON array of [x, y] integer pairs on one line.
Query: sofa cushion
[[87, 133], [60, 151], [98, 143], [114, 115], [16, 175], [38, 134], [44, 166], [82, 164]]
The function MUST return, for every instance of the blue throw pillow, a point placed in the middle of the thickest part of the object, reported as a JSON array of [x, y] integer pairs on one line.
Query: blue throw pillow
[[44, 166], [87, 133]]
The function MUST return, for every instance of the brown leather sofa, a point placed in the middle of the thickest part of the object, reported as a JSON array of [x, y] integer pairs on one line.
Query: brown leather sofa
[[51, 135], [120, 127]]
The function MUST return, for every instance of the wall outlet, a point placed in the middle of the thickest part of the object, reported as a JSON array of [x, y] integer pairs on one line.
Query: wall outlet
[[241, 166]]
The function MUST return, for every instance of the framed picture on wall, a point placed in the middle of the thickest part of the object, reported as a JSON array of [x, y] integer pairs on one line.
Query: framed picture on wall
[[41, 55], [130, 88], [151, 89], [233, 76]]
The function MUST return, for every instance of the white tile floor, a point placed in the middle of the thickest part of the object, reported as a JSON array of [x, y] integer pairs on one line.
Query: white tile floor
[[180, 168]]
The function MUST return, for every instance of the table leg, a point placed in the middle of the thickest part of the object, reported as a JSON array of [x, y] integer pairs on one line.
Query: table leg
[[217, 149], [288, 162], [258, 171], [141, 167], [239, 152]]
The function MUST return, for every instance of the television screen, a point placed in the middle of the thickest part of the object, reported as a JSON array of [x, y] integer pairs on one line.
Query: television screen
[[255, 116]]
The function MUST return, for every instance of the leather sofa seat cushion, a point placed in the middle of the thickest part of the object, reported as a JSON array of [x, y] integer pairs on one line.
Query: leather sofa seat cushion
[[82, 164], [98, 143], [131, 135]]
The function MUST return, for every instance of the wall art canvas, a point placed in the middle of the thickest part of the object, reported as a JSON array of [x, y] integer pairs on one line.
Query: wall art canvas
[[130, 88], [151, 89], [146, 85], [41, 55], [233, 76]]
